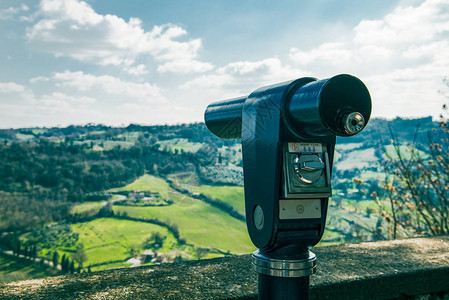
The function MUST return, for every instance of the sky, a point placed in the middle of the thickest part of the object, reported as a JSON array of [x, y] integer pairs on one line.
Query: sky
[[116, 62]]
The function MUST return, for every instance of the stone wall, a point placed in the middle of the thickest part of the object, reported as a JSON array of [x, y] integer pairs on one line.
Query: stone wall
[[399, 269]]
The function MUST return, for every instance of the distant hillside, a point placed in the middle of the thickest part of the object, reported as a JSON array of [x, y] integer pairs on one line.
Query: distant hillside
[[380, 130], [404, 129], [103, 196]]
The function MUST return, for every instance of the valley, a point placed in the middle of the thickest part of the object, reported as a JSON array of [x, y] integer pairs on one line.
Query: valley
[[101, 198]]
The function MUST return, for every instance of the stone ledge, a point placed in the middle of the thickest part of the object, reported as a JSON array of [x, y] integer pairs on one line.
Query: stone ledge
[[377, 270]]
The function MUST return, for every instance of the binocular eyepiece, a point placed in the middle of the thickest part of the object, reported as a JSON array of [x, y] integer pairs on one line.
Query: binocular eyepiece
[[311, 108]]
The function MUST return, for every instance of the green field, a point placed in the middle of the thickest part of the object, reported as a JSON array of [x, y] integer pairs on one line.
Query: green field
[[180, 144], [199, 223], [231, 194], [232, 154], [348, 146], [129, 136], [109, 240], [39, 130], [146, 183], [390, 151], [357, 159], [14, 269], [92, 206], [372, 175], [106, 145], [24, 137]]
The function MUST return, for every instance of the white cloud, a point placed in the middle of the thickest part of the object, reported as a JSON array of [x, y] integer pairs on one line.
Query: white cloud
[[39, 79], [402, 58], [61, 99], [237, 79], [71, 28], [184, 66], [138, 70], [403, 71], [430, 51], [11, 87], [211, 81], [11, 13], [76, 97], [21, 106], [161, 114], [406, 25], [243, 76], [329, 53], [143, 92], [58, 108]]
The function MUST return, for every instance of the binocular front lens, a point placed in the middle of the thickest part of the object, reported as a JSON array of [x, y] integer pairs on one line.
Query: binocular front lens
[[353, 123], [340, 105]]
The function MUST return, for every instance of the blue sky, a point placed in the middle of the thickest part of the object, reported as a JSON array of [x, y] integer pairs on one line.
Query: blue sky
[[154, 62]]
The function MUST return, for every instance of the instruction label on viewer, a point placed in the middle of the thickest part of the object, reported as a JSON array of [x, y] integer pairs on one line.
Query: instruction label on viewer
[[305, 147]]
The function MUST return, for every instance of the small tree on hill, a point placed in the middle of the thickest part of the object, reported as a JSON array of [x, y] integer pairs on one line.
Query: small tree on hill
[[55, 259], [72, 267], [80, 256], [17, 248], [201, 252], [34, 252], [64, 264]]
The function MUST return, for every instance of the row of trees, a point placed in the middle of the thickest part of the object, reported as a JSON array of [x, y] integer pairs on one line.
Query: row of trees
[[67, 264], [29, 251]]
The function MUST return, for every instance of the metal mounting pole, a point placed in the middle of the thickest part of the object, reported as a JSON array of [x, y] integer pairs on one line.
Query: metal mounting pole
[[282, 279]]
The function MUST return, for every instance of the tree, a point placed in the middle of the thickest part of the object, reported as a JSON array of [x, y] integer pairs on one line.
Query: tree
[[72, 267], [18, 247], [80, 256], [133, 250], [106, 210], [64, 264], [156, 240], [201, 252], [34, 252], [417, 185], [55, 259]]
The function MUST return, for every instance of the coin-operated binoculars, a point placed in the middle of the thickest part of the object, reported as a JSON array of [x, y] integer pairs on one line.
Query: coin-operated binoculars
[[288, 134]]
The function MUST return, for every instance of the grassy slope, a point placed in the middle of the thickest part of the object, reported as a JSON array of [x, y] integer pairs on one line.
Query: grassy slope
[[210, 223], [357, 159], [87, 206], [201, 224], [24, 137], [180, 144], [231, 194], [390, 151], [108, 240], [13, 269]]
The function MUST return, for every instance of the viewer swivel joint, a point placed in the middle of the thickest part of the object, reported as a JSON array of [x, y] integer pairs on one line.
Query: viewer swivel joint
[[288, 134]]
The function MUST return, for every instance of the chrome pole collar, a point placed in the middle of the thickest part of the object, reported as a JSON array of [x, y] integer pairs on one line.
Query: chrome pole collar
[[265, 265]]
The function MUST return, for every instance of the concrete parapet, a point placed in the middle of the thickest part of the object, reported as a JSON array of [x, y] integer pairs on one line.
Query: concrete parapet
[[398, 269]]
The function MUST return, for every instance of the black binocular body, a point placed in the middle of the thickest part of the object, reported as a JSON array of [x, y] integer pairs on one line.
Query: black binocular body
[[288, 133]]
